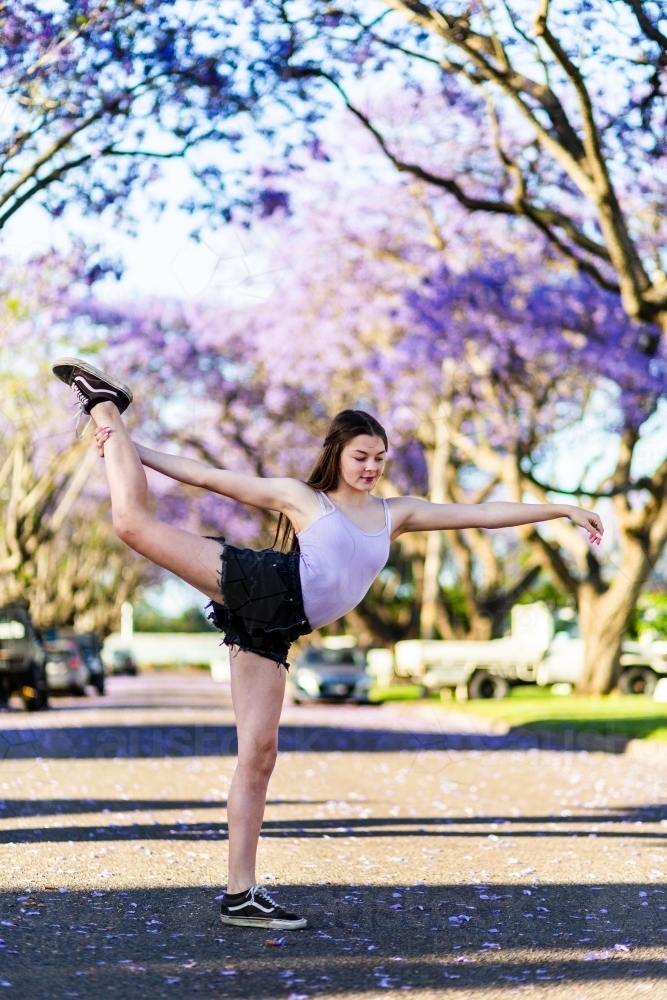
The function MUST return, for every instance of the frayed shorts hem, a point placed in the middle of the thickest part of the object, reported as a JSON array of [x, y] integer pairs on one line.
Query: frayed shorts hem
[[261, 610]]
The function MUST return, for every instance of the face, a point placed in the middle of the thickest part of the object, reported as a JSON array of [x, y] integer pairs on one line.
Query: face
[[362, 462]]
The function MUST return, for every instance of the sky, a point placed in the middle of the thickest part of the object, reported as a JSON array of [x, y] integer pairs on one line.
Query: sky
[[161, 259]]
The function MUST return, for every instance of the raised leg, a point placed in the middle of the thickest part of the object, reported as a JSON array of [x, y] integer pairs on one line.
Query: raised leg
[[258, 684], [258, 688], [191, 557]]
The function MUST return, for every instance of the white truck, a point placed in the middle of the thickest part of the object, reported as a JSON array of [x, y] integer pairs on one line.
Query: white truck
[[642, 663], [475, 669], [531, 653]]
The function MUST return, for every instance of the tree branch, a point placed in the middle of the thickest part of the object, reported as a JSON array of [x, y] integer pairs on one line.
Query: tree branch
[[553, 560], [543, 218], [611, 215], [583, 163], [647, 26], [48, 154]]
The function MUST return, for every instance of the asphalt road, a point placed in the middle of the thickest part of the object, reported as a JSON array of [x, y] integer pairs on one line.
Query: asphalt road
[[430, 855]]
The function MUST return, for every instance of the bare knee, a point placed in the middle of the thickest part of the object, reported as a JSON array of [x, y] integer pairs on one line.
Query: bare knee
[[259, 760]]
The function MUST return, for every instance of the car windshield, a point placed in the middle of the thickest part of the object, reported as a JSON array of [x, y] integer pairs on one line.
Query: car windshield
[[65, 647], [58, 655], [332, 657]]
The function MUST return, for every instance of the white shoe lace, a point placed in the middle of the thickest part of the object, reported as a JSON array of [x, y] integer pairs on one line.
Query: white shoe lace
[[264, 894], [80, 395], [81, 400]]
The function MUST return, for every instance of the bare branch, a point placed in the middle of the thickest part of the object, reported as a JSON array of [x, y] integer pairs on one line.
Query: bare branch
[[645, 23], [583, 163], [611, 216], [73, 491], [48, 154], [645, 483], [552, 560], [545, 219]]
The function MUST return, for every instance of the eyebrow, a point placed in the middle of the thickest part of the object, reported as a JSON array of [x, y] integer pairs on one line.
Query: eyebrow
[[362, 451]]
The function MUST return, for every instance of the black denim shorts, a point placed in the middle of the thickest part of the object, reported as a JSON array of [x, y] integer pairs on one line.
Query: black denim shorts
[[261, 610]]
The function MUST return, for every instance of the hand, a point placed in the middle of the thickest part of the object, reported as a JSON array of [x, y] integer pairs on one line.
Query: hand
[[102, 434], [588, 520]]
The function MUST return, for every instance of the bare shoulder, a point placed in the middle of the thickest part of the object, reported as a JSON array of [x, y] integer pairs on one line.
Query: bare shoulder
[[301, 504], [401, 508], [298, 491]]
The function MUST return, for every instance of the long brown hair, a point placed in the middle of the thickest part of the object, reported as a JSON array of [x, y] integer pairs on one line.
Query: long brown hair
[[325, 474]]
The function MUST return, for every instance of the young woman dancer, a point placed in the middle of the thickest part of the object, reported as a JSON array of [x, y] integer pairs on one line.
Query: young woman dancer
[[340, 534]]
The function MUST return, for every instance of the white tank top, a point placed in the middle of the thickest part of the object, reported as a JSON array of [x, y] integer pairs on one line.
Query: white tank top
[[339, 562]]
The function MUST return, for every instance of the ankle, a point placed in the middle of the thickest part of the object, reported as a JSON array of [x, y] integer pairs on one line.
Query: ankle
[[105, 413], [239, 885]]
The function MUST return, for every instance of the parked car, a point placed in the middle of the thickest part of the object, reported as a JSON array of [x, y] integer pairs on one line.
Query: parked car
[[66, 669], [121, 661], [22, 659], [325, 674], [90, 648]]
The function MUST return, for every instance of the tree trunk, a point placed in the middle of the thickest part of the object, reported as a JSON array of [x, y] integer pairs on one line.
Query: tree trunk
[[605, 618]]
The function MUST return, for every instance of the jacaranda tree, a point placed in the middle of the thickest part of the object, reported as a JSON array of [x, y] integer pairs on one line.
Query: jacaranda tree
[[551, 398], [97, 94], [479, 361], [553, 113]]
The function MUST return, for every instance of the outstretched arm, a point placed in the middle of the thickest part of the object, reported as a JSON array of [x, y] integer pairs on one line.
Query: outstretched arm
[[412, 514], [269, 494]]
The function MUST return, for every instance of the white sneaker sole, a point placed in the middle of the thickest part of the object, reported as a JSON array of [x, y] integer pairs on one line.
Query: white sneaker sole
[[267, 922]]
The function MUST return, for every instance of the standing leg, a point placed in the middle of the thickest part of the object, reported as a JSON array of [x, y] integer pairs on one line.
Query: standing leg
[[258, 688], [194, 559]]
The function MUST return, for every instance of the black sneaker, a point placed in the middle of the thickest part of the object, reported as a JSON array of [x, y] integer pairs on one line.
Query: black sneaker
[[91, 386], [255, 908]]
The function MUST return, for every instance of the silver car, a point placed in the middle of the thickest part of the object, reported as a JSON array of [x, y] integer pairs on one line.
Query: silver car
[[66, 670], [324, 674]]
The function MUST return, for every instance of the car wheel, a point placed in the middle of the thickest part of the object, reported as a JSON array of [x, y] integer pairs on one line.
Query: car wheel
[[485, 685], [637, 680], [34, 692]]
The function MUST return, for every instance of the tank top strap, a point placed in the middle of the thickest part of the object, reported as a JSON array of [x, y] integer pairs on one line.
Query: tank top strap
[[322, 498], [387, 516]]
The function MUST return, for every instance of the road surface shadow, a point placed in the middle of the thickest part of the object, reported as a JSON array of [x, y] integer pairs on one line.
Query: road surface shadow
[[169, 942], [141, 741], [613, 824], [613, 727]]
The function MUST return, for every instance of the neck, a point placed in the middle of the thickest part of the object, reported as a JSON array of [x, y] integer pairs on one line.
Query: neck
[[348, 496]]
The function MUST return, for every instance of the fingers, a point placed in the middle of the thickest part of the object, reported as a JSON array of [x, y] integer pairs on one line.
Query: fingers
[[102, 435], [595, 530], [593, 525]]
